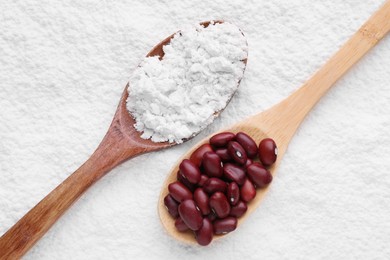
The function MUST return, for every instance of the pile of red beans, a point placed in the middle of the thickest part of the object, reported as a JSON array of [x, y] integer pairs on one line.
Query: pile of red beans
[[214, 186]]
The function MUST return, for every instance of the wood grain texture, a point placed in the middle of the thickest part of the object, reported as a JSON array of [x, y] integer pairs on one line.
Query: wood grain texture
[[282, 120]]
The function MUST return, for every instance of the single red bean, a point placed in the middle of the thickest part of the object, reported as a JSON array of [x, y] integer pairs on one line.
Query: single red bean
[[268, 151], [221, 139], [239, 209], [233, 193], [203, 179], [247, 191], [248, 144], [190, 171], [190, 214], [248, 162], [237, 152], [259, 175], [212, 164], [223, 154], [202, 201], [183, 180], [205, 234], [171, 205], [226, 225], [233, 172], [179, 191], [213, 185], [219, 204], [180, 225], [197, 156]]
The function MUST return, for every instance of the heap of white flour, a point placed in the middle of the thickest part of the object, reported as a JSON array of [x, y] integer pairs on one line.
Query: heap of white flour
[[176, 97]]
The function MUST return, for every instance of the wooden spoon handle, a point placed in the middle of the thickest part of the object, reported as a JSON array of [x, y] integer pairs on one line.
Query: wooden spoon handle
[[291, 111], [26, 232]]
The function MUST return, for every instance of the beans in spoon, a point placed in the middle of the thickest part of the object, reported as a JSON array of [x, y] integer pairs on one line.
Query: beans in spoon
[[217, 182]]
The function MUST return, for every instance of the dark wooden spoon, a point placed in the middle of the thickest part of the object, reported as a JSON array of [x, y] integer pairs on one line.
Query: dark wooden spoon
[[121, 143]]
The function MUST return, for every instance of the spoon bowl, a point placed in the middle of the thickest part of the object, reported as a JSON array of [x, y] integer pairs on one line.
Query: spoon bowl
[[282, 120], [166, 219], [158, 51], [123, 122]]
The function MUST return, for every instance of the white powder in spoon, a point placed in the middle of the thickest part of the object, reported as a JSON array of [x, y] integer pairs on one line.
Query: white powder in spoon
[[176, 97]]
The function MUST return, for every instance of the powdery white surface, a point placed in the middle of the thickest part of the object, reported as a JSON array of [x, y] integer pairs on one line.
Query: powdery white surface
[[174, 98], [63, 67]]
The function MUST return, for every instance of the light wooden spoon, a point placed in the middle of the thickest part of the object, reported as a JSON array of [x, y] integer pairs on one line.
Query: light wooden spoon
[[121, 143], [282, 120]]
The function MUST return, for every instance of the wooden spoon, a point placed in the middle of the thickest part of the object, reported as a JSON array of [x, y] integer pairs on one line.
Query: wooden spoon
[[282, 120], [121, 143]]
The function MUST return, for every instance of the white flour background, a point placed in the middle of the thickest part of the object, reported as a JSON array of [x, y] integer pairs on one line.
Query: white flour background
[[63, 67]]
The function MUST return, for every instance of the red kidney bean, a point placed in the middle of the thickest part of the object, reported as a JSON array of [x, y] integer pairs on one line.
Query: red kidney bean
[[213, 185], [180, 225], [233, 193], [248, 162], [268, 151], [259, 175], [239, 209], [179, 191], [171, 205], [221, 139], [202, 201], [233, 172], [203, 179], [248, 144], [183, 180], [237, 153], [190, 171], [223, 154], [226, 225], [212, 164], [205, 234], [197, 156], [219, 204], [190, 214], [247, 191]]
